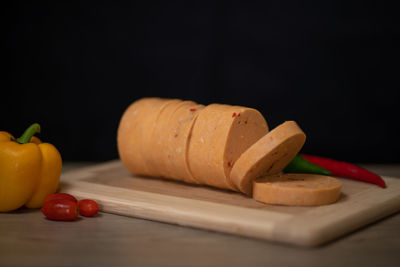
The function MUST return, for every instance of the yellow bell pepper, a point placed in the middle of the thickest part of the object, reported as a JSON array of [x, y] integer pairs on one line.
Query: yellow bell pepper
[[29, 170]]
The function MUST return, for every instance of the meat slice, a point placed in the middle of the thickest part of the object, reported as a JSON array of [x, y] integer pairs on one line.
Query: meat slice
[[267, 156], [157, 154], [174, 141], [297, 189], [219, 136], [133, 136]]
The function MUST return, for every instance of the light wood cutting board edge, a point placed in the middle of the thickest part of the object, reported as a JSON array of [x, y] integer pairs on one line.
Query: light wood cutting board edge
[[271, 226]]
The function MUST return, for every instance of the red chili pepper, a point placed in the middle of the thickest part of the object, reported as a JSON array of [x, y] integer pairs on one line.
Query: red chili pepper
[[347, 170], [88, 207]]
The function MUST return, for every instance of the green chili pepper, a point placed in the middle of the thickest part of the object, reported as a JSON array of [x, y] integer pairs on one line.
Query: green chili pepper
[[300, 165]]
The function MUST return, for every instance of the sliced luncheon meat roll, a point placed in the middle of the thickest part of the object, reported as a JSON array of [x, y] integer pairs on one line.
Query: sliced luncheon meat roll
[[223, 146], [297, 189], [267, 156], [219, 136]]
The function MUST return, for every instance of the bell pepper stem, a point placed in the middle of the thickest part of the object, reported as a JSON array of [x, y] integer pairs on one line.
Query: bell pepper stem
[[27, 135]]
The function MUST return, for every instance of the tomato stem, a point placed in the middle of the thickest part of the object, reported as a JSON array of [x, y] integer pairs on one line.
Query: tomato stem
[[29, 132]]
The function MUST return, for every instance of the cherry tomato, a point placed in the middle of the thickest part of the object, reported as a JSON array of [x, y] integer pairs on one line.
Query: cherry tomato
[[88, 207], [61, 196], [60, 209]]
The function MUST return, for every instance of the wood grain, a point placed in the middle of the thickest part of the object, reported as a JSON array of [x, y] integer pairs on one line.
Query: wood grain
[[119, 192]]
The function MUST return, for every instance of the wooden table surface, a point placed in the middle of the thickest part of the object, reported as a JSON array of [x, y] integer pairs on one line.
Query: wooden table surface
[[27, 239]]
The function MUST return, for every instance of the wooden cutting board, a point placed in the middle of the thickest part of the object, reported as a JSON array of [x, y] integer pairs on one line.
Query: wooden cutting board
[[119, 192]]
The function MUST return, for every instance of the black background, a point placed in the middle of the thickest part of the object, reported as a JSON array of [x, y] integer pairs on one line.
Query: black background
[[333, 68]]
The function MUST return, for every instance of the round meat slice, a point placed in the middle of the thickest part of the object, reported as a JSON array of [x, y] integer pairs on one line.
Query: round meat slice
[[219, 136], [178, 132], [267, 156], [297, 189], [157, 155], [134, 129]]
